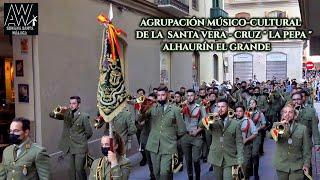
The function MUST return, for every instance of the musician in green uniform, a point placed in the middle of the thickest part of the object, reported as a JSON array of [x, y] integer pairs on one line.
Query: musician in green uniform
[[192, 142], [124, 125], [260, 122], [226, 149], [74, 140], [144, 138], [24, 159], [112, 165], [292, 157], [249, 133], [166, 127]]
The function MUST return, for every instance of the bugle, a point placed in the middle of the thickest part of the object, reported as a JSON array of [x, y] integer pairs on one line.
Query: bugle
[[59, 110], [231, 113], [210, 119]]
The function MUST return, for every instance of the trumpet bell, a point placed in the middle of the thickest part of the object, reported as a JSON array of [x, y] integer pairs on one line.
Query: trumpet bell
[[281, 128], [231, 113], [141, 99]]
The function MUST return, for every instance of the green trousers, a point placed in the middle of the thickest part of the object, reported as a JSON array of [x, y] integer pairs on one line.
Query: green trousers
[[222, 173], [162, 168], [292, 175], [192, 150], [77, 164]]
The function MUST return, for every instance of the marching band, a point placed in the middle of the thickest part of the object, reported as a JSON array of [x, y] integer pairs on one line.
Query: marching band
[[224, 125]]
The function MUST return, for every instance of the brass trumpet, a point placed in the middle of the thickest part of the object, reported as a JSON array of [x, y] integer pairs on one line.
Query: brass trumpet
[[281, 127], [59, 110], [231, 113], [141, 99], [211, 119], [298, 107], [98, 122]]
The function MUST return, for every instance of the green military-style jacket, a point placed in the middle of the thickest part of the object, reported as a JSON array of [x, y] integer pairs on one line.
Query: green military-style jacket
[[2, 172], [262, 102], [308, 117], [76, 132], [118, 172], [32, 163], [166, 126], [290, 157], [274, 103], [227, 143], [124, 125]]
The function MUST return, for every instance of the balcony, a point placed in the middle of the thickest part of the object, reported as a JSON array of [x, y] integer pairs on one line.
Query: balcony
[[253, 1], [217, 12], [176, 7]]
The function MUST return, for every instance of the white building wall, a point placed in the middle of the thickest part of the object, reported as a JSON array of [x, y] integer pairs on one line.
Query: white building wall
[[292, 48]]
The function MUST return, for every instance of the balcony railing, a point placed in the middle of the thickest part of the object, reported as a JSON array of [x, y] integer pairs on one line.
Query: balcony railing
[[216, 12], [177, 7], [253, 1]]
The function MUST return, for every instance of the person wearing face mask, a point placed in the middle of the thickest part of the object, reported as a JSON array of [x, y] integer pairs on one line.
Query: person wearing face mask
[[24, 159], [192, 143], [112, 165], [74, 140], [293, 155], [167, 126], [226, 149]]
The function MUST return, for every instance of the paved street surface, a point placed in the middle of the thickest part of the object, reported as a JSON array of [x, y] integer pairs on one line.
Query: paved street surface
[[267, 172]]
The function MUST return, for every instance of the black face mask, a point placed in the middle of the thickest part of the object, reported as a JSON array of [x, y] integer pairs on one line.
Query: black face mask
[[243, 87], [14, 139], [203, 97], [251, 94], [162, 102], [192, 102], [212, 102], [266, 94], [257, 94], [105, 150]]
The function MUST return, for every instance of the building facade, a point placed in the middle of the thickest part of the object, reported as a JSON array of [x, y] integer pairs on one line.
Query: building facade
[[285, 58]]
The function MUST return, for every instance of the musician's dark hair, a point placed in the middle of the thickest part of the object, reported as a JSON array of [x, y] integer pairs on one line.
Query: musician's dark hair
[[212, 93], [143, 91], [256, 88], [224, 100], [163, 88], [240, 106], [117, 139], [208, 88], [178, 92], [298, 92], [153, 95], [191, 90], [77, 98], [254, 101], [202, 89], [294, 83], [24, 121], [243, 82]]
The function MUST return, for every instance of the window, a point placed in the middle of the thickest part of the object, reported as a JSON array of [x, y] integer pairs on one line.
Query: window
[[242, 66], [276, 65], [277, 14], [195, 5]]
